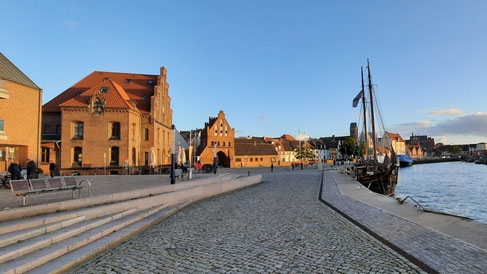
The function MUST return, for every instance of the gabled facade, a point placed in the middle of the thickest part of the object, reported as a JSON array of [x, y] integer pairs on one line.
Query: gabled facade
[[20, 117], [216, 134], [395, 141], [249, 152], [118, 121], [415, 150]]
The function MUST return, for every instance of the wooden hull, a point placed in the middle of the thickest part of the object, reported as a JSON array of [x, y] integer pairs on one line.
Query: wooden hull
[[383, 182]]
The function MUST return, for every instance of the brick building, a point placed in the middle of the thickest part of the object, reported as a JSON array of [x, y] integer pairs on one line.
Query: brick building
[[121, 121], [20, 116], [216, 133], [250, 152]]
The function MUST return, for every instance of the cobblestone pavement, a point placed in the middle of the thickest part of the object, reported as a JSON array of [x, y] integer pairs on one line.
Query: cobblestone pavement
[[277, 226], [440, 252]]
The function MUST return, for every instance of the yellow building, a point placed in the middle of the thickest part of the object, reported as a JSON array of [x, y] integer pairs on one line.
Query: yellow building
[[20, 116], [118, 122]]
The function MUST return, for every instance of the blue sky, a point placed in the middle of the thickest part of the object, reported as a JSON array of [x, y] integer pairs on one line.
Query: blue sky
[[274, 67]]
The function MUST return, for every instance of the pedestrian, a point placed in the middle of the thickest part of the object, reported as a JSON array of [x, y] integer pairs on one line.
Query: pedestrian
[[272, 167], [292, 166], [52, 168], [301, 165], [15, 171], [31, 169]]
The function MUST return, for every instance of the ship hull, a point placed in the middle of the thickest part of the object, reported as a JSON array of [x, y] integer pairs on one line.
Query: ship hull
[[382, 182], [405, 160]]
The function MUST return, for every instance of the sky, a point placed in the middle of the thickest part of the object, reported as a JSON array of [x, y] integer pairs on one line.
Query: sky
[[273, 67]]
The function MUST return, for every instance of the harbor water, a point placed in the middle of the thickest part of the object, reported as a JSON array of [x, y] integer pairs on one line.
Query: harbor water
[[453, 187]]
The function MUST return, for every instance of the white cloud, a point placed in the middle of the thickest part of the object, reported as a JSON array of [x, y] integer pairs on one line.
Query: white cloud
[[443, 139], [453, 111]]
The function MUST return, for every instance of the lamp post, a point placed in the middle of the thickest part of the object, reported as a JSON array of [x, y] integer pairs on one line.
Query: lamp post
[[214, 161], [173, 176]]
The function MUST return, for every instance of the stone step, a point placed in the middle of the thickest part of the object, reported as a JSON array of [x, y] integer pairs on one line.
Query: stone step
[[22, 235], [80, 255], [19, 249], [75, 238]]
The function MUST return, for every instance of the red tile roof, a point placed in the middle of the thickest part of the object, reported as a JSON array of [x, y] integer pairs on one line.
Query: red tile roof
[[287, 137], [135, 89], [396, 137], [115, 97]]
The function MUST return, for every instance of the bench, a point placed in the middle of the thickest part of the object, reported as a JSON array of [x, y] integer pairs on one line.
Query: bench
[[35, 186]]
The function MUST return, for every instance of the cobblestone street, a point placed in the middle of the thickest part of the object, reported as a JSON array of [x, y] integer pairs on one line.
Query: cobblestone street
[[277, 226]]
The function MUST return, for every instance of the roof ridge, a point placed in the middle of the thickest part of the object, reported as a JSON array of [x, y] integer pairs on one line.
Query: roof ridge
[[125, 73], [12, 65]]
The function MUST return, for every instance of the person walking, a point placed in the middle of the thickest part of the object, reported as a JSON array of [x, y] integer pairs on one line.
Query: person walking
[[31, 169], [52, 169], [272, 167], [292, 166]]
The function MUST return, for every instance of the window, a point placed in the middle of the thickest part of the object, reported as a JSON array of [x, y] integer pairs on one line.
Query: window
[[218, 143], [115, 131], [77, 156], [97, 106], [146, 158], [134, 156], [114, 156], [144, 98], [261, 159], [212, 143], [104, 89], [251, 159], [146, 134], [229, 144], [78, 130], [45, 154], [47, 129], [105, 79], [150, 82], [256, 159], [2, 125], [127, 81], [158, 136], [238, 160], [58, 129], [223, 143]]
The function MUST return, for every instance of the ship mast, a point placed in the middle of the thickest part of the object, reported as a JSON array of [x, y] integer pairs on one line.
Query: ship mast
[[372, 113], [365, 118]]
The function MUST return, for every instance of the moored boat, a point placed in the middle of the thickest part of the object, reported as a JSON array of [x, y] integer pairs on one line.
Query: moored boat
[[380, 177], [405, 160]]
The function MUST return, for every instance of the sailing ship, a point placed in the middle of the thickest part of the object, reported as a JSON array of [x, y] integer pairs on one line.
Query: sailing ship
[[378, 174]]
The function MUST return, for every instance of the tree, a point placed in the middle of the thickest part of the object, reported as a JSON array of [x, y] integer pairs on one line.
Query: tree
[[454, 150], [349, 146], [305, 152], [361, 149]]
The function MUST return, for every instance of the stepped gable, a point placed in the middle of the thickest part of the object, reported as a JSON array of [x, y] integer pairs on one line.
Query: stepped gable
[[244, 147], [114, 97], [136, 86], [9, 71]]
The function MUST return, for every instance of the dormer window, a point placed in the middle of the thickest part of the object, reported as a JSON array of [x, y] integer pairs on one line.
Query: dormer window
[[105, 79], [150, 82], [104, 89], [127, 81], [144, 98], [97, 107]]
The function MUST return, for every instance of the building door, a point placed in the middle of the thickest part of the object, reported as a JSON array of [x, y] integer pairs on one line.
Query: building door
[[223, 160]]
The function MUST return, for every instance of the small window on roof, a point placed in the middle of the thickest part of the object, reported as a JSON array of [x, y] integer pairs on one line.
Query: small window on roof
[[127, 81], [144, 98], [150, 82], [105, 79], [104, 89]]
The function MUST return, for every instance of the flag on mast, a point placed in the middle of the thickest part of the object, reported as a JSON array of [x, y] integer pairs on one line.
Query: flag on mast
[[357, 98]]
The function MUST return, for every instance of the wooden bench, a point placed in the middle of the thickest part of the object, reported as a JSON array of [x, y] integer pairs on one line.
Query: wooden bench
[[35, 186]]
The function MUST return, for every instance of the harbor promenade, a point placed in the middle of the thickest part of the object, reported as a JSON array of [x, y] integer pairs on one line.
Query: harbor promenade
[[408, 234], [276, 226]]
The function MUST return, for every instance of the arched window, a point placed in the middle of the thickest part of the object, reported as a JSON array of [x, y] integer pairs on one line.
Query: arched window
[[134, 156], [115, 131], [78, 128], [114, 156], [146, 134]]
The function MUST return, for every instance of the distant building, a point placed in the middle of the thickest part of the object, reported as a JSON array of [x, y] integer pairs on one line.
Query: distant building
[[20, 118], [249, 152], [121, 121], [333, 145], [217, 134], [415, 151], [427, 143], [395, 141], [481, 149], [354, 131]]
